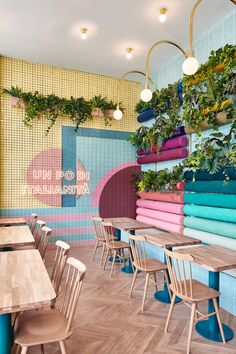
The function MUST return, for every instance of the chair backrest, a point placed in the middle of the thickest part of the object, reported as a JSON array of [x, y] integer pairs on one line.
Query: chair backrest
[[137, 243], [109, 232], [62, 251], [75, 276], [34, 218], [44, 235], [98, 227], [180, 270], [37, 231]]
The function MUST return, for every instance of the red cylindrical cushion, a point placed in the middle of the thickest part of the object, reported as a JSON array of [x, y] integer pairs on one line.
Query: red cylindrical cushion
[[160, 215], [162, 206], [171, 197], [168, 144], [164, 156], [162, 224]]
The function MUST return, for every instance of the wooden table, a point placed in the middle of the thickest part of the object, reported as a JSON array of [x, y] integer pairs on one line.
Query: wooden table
[[127, 224], [12, 221], [215, 259], [25, 284], [168, 240], [15, 236]]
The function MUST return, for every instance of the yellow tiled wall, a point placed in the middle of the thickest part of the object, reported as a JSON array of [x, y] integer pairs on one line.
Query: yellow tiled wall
[[20, 144]]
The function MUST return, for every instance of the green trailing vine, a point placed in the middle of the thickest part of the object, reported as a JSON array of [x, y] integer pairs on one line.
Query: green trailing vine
[[51, 107]]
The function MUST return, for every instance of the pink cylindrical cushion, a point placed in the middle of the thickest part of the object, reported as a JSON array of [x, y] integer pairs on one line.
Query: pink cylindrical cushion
[[161, 224], [172, 143], [162, 206], [171, 197], [160, 215], [164, 156]]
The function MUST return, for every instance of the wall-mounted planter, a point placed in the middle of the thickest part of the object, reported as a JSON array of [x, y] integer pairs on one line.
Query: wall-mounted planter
[[97, 112], [172, 143], [145, 115], [16, 102], [221, 119], [171, 197], [164, 156], [206, 176]]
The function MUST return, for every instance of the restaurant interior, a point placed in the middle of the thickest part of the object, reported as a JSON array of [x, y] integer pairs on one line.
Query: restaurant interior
[[118, 177]]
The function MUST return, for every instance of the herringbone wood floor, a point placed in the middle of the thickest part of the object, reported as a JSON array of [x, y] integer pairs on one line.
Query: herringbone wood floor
[[107, 322]]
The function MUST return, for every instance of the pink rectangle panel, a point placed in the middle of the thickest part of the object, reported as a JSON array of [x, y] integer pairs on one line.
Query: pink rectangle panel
[[162, 206], [161, 224], [171, 197], [160, 215]]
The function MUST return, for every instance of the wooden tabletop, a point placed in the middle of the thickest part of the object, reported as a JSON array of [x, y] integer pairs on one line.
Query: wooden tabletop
[[126, 224], [15, 235], [213, 258], [169, 239], [12, 221], [24, 280]]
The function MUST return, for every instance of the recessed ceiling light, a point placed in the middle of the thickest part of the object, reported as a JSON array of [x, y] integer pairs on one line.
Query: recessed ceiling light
[[129, 53], [163, 16], [84, 32]]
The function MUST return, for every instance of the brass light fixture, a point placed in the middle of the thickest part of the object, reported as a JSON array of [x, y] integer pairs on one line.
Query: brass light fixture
[[129, 53], [190, 65], [84, 32], [163, 16], [146, 94], [118, 113]]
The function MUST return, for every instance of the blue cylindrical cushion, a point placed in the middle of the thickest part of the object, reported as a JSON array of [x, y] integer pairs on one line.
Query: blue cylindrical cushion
[[211, 186], [211, 199], [216, 227], [145, 115], [206, 176], [207, 212]]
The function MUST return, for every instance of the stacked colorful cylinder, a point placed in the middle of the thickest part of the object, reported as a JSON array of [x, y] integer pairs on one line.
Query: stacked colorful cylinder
[[162, 210], [171, 149]]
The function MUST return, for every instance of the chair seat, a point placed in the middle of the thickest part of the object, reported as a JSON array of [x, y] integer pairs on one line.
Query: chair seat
[[104, 240], [151, 265], [201, 291], [118, 245], [39, 327]]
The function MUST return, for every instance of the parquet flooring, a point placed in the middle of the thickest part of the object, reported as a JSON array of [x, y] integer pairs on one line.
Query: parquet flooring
[[107, 322]]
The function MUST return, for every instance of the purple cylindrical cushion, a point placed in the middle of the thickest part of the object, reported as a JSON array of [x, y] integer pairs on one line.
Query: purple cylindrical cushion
[[179, 131], [161, 224], [160, 215], [162, 206], [164, 156], [168, 144]]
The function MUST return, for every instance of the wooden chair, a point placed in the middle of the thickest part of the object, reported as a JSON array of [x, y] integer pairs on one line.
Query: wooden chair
[[37, 231], [190, 291], [114, 248], [52, 325], [34, 218], [147, 265], [43, 238], [99, 236], [62, 252]]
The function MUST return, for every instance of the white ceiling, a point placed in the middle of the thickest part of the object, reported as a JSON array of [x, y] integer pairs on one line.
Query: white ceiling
[[44, 31]]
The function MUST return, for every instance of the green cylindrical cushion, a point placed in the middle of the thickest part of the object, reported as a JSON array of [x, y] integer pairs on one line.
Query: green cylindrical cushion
[[211, 199], [206, 176], [206, 212], [215, 227], [211, 186]]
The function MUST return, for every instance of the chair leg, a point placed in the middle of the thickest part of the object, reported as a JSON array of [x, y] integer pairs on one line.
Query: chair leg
[[24, 350], [131, 259], [167, 283], [62, 347], [16, 349], [123, 254], [218, 319], [191, 326], [103, 250], [42, 349], [133, 282], [113, 262], [170, 312], [155, 279], [106, 258], [95, 249], [145, 290]]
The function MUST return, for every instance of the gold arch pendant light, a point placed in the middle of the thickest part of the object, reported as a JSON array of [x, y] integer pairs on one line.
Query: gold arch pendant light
[[191, 65], [118, 113], [146, 94]]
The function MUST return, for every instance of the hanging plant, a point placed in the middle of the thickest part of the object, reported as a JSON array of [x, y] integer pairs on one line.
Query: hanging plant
[[101, 107], [139, 138]]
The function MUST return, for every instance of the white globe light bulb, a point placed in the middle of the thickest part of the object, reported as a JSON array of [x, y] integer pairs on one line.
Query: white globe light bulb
[[162, 17], [118, 114], [146, 95], [190, 66]]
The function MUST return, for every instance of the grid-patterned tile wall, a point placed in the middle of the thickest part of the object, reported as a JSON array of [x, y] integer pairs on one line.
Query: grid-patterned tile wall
[[18, 144]]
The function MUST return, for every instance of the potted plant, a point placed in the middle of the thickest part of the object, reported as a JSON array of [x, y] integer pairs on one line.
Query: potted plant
[[15, 93]]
